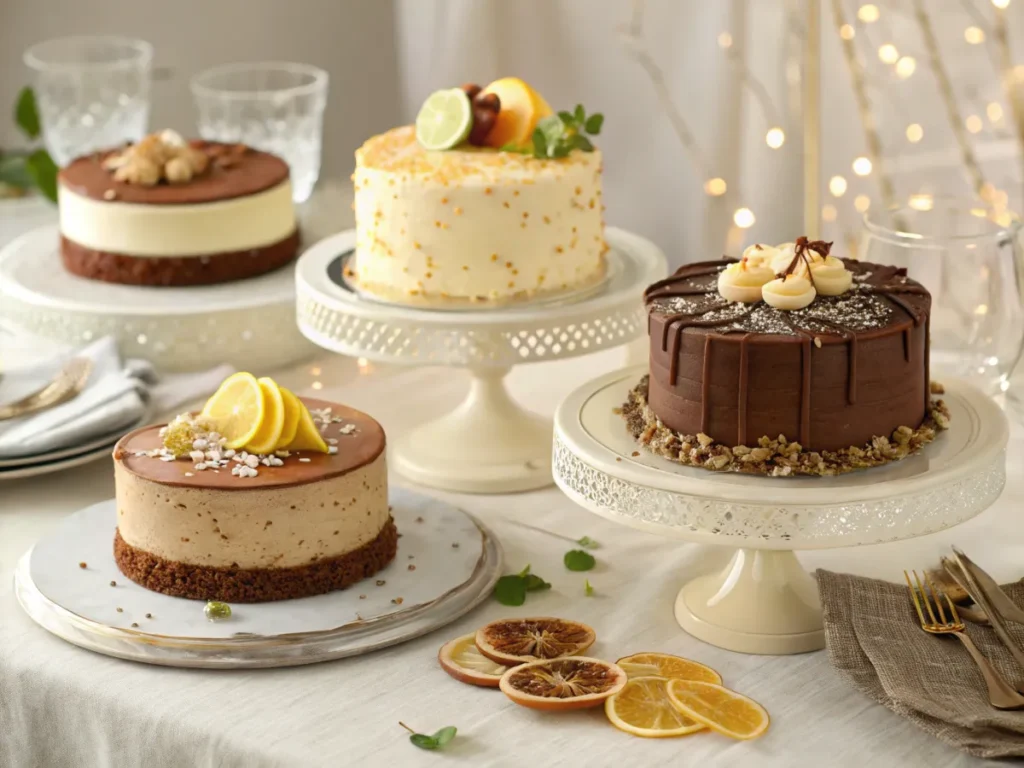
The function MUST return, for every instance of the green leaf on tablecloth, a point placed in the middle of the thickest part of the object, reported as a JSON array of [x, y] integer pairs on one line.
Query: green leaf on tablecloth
[[26, 113], [43, 170], [579, 560], [588, 588], [535, 583], [588, 543], [510, 590], [434, 741]]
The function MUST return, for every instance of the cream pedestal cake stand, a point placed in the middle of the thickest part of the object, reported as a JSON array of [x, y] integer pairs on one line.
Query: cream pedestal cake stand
[[763, 601], [248, 323], [488, 444]]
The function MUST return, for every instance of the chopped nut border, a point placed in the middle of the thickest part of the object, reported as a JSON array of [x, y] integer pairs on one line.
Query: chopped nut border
[[775, 457]]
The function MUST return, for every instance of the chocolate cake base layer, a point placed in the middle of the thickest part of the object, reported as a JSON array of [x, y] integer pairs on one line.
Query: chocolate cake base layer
[[176, 270], [259, 585], [775, 456]]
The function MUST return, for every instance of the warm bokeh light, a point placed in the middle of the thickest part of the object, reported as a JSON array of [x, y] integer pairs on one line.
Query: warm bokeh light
[[715, 187], [974, 124], [868, 13], [317, 385], [847, 32], [829, 212], [837, 186], [862, 166], [744, 218], [915, 133], [905, 66], [987, 191], [1000, 3], [888, 53], [725, 39], [1018, 71], [861, 203], [921, 202], [775, 138], [315, 370], [974, 35], [363, 364], [994, 111]]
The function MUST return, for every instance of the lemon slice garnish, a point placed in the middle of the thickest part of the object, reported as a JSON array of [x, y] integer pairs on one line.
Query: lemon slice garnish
[[237, 408]]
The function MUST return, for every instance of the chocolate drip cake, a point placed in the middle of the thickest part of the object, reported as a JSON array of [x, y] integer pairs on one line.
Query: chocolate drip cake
[[787, 361], [164, 212]]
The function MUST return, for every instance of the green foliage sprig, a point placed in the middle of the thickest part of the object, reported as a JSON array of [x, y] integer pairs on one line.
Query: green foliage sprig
[[558, 135], [24, 170]]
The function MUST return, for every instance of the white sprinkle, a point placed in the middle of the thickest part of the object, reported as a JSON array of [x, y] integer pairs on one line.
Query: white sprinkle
[[188, 474], [276, 462], [252, 461], [229, 453], [306, 460], [265, 461], [332, 449], [197, 456], [283, 454], [200, 444], [200, 466], [332, 440], [213, 455], [166, 458], [348, 429], [214, 437]]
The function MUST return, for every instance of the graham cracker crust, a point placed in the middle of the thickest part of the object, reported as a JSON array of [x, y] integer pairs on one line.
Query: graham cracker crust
[[256, 585]]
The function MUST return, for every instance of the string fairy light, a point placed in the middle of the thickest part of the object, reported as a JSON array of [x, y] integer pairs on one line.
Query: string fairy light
[[974, 35], [1001, 4], [905, 67], [994, 110], [914, 133], [724, 39], [743, 218], [862, 166], [888, 53], [861, 203], [847, 32], [715, 187], [829, 212], [837, 186], [868, 13], [775, 138], [921, 202], [973, 124]]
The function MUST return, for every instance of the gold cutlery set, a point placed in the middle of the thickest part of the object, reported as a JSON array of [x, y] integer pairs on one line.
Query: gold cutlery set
[[939, 614], [65, 385]]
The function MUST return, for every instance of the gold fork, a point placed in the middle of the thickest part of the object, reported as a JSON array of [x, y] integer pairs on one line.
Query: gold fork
[[1001, 694], [68, 382]]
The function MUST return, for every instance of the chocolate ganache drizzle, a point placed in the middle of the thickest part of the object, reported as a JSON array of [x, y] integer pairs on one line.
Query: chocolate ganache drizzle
[[689, 299]]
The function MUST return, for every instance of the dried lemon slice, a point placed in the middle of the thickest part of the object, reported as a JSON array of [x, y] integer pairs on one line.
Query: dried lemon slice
[[515, 641], [237, 409], [293, 408], [574, 682], [461, 659], [667, 665], [643, 708], [727, 712]]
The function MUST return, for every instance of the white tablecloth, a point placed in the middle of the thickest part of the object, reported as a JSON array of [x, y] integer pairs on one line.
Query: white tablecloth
[[62, 706]]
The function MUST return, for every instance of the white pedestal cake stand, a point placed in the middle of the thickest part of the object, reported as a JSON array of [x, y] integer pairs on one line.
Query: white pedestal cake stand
[[764, 602], [248, 323], [488, 444]]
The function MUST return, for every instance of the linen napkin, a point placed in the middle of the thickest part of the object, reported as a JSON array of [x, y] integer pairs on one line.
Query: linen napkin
[[117, 395], [875, 641]]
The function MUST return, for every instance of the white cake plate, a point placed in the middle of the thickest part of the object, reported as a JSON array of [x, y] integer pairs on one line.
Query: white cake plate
[[488, 444], [247, 323], [764, 602], [447, 563]]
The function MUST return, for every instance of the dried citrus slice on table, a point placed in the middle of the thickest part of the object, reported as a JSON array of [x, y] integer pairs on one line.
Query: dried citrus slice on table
[[643, 708], [269, 434], [237, 409], [515, 641], [727, 712], [667, 665], [445, 119], [461, 659], [574, 682]]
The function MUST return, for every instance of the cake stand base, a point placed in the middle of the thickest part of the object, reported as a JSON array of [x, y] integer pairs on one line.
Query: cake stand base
[[489, 444], [762, 602]]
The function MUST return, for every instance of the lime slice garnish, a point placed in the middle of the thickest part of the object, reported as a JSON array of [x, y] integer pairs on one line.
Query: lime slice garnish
[[445, 119]]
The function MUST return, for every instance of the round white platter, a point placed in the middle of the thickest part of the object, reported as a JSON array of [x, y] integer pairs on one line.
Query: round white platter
[[248, 323], [447, 563], [488, 444], [764, 602]]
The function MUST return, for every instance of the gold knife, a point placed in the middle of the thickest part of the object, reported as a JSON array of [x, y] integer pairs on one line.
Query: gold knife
[[987, 593]]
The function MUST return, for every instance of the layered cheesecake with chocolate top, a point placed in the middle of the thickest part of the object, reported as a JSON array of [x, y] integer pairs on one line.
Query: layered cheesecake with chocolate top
[[788, 361], [291, 524], [164, 212]]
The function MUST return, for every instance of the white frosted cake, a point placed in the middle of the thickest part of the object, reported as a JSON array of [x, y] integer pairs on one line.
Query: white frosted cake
[[474, 223]]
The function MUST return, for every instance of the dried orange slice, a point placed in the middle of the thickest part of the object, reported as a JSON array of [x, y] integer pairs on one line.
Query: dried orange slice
[[667, 665], [727, 712], [574, 682], [643, 708], [461, 659], [516, 641]]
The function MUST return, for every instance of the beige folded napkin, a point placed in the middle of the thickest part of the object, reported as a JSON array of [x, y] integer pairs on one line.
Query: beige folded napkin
[[875, 641]]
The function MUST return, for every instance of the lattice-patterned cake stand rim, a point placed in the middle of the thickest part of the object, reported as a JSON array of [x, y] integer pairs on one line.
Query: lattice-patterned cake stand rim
[[245, 323], [763, 601], [488, 444]]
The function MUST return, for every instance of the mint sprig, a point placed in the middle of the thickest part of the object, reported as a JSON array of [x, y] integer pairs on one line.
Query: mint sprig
[[512, 588], [558, 135], [579, 560], [23, 170], [433, 741]]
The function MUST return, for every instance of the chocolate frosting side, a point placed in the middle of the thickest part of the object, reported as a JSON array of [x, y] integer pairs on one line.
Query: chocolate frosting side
[[835, 374], [254, 172], [355, 450]]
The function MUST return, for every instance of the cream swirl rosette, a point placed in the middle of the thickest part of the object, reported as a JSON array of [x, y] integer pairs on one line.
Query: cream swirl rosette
[[830, 275], [783, 257], [789, 292], [759, 254], [742, 281]]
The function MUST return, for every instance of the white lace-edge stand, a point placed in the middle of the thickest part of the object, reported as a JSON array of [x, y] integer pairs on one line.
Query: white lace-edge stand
[[247, 323], [764, 602], [488, 444]]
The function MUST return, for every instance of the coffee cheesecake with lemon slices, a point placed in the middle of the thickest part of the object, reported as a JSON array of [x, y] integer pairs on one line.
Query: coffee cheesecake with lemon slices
[[166, 212], [262, 496], [489, 199]]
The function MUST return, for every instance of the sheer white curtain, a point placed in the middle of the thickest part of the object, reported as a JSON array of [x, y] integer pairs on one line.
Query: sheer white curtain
[[575, 51]]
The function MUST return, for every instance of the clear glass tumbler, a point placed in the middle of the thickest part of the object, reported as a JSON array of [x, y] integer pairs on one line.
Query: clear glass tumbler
[[93, 92], [969, 258], [275, 107]]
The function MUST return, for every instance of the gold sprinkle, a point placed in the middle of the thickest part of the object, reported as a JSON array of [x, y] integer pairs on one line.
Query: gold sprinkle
[[437, 224], [429, 275], [522, 225], [445, 226], [506, 204], [515, 193], [444, 201], [547, 219], [591, 204], [416, 245], [515, 271], [487, 190], [458, 211], [526, 215], [574, 230], [579, 190], [494, 257], [465, 268], [83, 565], [511, 284], [508, 265], [559, 249]]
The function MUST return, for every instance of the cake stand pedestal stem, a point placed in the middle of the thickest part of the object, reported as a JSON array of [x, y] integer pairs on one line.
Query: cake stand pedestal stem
[[488, 444], [762, 602]]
